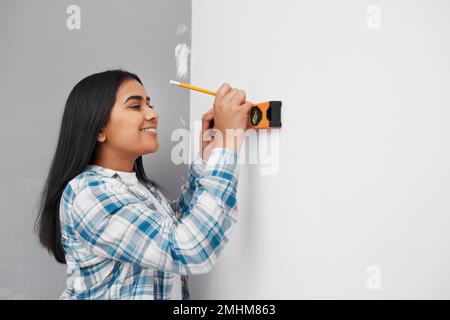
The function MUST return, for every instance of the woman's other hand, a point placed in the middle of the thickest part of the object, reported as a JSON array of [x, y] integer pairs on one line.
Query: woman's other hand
[[207, 141]]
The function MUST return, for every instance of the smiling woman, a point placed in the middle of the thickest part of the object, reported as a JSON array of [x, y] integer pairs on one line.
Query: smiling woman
[[119, 235], [130, 130], [87, 111]]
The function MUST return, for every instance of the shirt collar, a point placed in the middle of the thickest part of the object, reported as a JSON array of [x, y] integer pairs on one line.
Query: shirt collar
[[106, 172]]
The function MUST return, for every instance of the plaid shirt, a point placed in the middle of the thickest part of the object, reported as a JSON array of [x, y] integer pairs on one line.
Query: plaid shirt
[[118, 244]]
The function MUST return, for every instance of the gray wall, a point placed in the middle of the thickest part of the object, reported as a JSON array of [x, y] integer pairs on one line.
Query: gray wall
[[41, 61]]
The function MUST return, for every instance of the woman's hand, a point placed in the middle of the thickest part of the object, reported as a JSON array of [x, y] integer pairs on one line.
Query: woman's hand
[[207, 141], [231, 114]]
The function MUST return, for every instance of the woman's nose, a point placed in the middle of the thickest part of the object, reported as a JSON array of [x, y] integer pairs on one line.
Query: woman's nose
[[150, 114]]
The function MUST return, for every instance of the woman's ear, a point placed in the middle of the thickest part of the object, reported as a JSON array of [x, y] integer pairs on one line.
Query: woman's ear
[[101, 136]]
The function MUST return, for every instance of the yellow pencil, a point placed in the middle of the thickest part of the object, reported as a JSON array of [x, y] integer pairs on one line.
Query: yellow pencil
[[188, 86], [259, 113]]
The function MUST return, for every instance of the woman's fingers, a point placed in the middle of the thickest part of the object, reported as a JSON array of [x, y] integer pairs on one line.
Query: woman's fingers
[[224, 88], [229, 96], [208, 115], [206, 119], [246, 107], [239, 97]]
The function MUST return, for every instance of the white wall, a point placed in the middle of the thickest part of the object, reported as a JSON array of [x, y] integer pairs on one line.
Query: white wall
[[364, 160]]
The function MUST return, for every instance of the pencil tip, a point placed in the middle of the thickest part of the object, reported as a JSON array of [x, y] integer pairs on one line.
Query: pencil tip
[[174, 82]]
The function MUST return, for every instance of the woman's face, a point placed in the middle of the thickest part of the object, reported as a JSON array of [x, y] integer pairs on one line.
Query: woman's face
[[123, 134]]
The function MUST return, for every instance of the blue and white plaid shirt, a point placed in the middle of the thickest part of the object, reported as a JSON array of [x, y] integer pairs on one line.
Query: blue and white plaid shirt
[[120, 246]]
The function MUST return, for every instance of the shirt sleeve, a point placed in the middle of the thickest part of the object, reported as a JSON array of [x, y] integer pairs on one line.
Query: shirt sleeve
[[181, 205], [115, 225]]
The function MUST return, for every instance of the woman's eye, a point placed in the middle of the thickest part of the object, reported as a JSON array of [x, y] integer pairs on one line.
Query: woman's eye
[[138, 106]]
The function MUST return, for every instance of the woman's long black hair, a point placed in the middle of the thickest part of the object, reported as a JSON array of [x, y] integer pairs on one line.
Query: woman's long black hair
[[86, 112]]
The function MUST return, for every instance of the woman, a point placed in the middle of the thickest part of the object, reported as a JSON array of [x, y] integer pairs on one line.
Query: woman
[[100, 214]]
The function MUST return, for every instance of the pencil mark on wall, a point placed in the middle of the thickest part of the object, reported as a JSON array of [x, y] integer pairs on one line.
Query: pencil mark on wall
[[182, 52]]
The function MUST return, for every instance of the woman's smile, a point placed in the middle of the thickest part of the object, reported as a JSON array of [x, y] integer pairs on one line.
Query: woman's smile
[[151, 131]]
